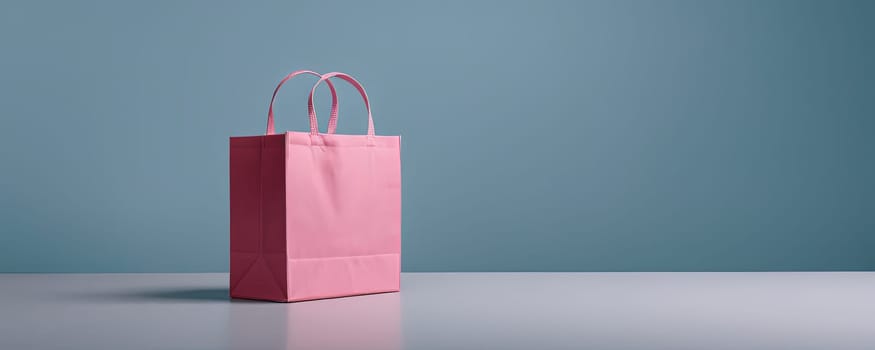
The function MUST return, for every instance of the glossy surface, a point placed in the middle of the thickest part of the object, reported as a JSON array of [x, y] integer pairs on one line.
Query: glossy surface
[[448, 311]]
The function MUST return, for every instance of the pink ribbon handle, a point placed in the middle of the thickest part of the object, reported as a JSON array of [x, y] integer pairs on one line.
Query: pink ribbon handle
[[348, 78], [314, 125]]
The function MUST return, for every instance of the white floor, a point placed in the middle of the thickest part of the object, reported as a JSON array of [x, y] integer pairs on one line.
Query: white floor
[[448, 311]]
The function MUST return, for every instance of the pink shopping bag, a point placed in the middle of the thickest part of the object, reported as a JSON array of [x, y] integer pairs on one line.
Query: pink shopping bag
[[315, 215]]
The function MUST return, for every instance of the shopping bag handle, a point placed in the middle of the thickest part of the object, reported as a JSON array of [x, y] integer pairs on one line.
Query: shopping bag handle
[[348, 78], [332, 121]]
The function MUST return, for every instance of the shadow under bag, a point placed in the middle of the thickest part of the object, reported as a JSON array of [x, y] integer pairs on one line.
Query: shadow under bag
[[315, 215]]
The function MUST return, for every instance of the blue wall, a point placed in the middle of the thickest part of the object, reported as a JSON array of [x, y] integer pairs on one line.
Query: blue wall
[[573, 136]]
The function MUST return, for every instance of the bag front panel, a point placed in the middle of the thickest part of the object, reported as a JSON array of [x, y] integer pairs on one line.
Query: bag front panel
[[343, 196]]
